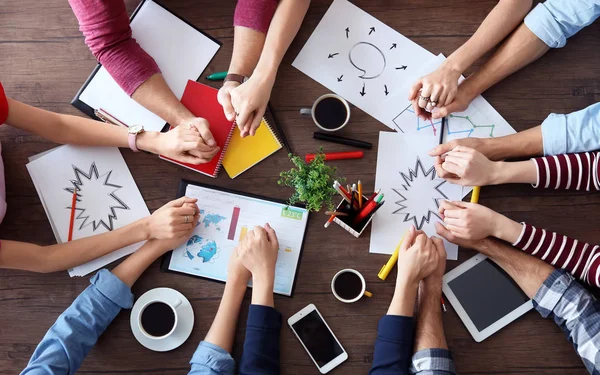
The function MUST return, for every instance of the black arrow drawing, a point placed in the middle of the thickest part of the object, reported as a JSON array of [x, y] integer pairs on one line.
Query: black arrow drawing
[[333, 54], [386, 90], [362, 93], [372, 30], [393, 45], [403, 67], [347, 31], [340, 78]]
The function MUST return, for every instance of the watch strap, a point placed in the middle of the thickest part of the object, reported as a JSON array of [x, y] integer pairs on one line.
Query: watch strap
[[235, 78], [132, 142]]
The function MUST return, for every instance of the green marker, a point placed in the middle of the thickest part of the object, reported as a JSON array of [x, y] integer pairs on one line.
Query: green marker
[[217, 76], [379, 198]]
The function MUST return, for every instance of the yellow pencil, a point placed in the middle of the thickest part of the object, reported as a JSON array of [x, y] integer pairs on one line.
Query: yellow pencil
[[475, 194], [359, 194], [387, 268]]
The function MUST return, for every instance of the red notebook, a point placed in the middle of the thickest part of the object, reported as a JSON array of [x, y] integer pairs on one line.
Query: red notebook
[[201, 100]]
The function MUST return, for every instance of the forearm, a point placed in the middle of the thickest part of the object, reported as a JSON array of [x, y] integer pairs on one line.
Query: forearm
[[65, 345], [134, 265], [262, 289], [156, 96], [503, 19], [526, 143], [520, 172], [247, 47], [403, 301], [31, 257], [527, 271], [222, 330], [519, 50], [284, 26], [429, 332]]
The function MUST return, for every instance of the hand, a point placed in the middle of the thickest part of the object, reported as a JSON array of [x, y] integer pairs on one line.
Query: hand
[[470, 221], [464, 97], [417, 258], [479, 144], [440, 86], [169, 221], [250, 101], [467, 167], [435, 279], [167, 244], [187, 144], [468, 244], [258, 251], [224, 98], [236, 272]]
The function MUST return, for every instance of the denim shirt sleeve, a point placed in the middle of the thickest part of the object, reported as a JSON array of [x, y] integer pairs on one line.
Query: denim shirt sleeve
[[394, 345], [211, 359], [554, 21], [68, 341], [576, 132]]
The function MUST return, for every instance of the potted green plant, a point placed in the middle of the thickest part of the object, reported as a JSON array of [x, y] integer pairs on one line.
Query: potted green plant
[[312, 182]]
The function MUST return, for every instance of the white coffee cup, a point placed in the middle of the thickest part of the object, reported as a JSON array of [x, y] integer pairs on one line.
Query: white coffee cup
[[311, 112], [173, 305], [362, 293]]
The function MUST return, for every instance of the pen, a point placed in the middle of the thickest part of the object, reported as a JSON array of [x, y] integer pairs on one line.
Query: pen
[[342, 140], [443, 303], [366, 211], [387, 268], [442, 131], [360, 194], [337, 155], [219, 76], [108, 118]]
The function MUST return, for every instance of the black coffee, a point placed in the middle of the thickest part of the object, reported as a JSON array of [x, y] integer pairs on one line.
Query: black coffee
[[348, 285], [331, 113], [158, 319]]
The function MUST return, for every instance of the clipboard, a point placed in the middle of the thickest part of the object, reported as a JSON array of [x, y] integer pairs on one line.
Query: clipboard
[[94, 113], [181, 191]]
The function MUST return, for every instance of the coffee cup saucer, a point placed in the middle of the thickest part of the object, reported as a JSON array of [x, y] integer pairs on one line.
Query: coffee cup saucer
[[185, 316]]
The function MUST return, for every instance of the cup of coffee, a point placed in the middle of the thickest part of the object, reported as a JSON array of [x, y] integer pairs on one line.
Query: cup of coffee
[[158, 319], [349, 286], [330, 112]]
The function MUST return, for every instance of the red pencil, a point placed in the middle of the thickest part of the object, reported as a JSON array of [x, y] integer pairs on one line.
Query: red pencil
[[72, 221], [443, 303], [337, 155]]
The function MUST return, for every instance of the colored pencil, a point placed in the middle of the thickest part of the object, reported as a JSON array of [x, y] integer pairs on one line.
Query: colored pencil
[[360, 197], [72, 220], [336, 213], [442, 131]]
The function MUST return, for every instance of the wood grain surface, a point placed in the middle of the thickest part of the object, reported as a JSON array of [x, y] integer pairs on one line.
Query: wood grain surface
[[44, 61]]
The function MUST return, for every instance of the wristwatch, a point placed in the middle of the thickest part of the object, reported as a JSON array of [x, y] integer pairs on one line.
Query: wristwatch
[[235, 78], [133, 133]]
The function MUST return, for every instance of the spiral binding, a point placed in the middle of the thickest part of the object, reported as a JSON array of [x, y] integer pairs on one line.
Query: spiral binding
[[272, 132], [224, 150]]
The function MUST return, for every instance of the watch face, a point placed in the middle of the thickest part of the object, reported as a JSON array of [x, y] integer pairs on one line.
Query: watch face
[[135, 129]]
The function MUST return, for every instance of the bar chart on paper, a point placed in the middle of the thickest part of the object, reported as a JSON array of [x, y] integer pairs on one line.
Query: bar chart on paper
[[225, 220]]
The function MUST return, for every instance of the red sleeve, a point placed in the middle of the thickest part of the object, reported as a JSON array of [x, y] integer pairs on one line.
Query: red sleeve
[[3, 106], [255, 14], [105, 25], [580, 259], [568, 171]]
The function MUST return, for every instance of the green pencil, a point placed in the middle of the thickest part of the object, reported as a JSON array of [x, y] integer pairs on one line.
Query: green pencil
[[217, 76]]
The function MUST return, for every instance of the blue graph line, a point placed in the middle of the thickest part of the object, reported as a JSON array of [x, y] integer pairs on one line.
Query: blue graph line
[[430, 125], [450, 132]]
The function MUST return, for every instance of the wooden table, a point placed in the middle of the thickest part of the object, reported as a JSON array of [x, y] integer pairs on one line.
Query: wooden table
[[44, 61]]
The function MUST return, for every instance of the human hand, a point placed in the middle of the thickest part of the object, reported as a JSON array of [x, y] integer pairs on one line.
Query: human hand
[[191, 142], [417, 258], [478, 245], [174, 220], [250, 100], [439, 86], [470, 221], [435, 278], [258, 251], [179, 238], [236, 272], [224, 98], [467, 167]]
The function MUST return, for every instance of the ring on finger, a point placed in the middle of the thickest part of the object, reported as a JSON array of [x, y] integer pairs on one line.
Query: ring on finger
[[433, 103], [425, 98], [186, 219]]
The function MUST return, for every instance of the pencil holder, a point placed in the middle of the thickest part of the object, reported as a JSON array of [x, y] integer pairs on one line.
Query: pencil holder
[[349, 222]]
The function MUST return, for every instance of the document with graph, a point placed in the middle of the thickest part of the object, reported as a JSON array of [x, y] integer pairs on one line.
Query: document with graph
[[225, 218]]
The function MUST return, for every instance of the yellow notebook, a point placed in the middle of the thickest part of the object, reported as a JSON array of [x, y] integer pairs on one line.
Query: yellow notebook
[[244, 153]]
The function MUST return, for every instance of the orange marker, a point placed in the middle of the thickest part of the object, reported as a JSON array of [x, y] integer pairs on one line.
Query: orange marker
[[72, 221]]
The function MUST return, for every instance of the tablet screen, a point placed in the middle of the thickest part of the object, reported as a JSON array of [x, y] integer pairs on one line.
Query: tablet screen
[[487, 293]]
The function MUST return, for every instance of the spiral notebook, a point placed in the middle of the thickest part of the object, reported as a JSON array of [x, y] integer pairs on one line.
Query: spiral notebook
[[201, 100], [244, 153]]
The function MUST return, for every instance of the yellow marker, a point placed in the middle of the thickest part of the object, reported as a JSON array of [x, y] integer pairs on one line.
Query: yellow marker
[[368, 294], [243, 232], [387, 268], [475, 194], [288, 250]]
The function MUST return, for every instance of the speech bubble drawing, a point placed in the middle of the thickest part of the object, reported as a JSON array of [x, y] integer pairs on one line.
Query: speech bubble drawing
[[367, 58]]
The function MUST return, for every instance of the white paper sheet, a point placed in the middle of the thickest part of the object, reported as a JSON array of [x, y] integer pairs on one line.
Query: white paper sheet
[[225, 217], [406, 176], [360, 58], [108, 197], [180, 51]]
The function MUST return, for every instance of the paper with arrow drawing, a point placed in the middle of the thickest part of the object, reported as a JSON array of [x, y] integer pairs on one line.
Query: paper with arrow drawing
[[107, 196], [406, 176], [360, 58]]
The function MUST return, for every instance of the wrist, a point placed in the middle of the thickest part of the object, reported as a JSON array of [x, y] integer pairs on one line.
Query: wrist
[[406, 283], [507, 229], [454, 65], [265, 71], [148, 141], [237, 282], [498, 173]]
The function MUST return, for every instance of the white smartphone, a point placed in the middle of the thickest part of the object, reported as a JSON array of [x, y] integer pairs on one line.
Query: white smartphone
[[316, 337]]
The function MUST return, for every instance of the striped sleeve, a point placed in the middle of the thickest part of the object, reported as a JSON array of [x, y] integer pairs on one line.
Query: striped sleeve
[[568, 171], [580, 259]]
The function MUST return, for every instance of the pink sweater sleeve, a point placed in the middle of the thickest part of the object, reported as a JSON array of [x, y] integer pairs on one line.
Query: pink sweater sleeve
[[105, 25], [255, 14]]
